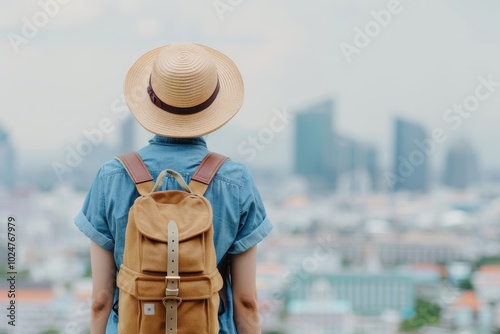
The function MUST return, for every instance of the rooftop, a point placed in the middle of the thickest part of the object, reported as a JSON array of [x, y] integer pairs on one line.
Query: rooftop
[[468, 299]]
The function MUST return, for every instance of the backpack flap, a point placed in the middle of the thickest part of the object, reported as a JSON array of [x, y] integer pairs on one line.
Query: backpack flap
[[151, 218]]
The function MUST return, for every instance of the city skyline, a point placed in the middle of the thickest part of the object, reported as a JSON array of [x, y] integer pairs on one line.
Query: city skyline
[[71, 71], [339, 162]]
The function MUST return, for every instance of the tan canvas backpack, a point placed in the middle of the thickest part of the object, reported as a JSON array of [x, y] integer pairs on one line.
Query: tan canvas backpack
[[169, 281]]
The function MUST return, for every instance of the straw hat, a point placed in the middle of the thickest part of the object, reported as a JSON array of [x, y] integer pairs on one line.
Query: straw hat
[[183, 90]]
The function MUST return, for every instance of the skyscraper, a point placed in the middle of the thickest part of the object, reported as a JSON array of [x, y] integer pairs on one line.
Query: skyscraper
[[314, 143], [411, 165], [7, 161], [461, 170], [355, 164], [372, 166]]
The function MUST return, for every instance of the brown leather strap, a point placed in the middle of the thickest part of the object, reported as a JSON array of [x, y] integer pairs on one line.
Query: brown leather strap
[[206, 172], [138, 172]]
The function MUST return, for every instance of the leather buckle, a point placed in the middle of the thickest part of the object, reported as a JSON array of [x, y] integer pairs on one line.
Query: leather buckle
[[171, 292], [165, 299], [176, 280]]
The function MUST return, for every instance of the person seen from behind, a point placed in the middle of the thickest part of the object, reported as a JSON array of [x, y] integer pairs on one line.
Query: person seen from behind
[[180, 92]]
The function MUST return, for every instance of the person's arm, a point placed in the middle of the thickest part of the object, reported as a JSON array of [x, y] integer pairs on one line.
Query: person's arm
[[243, 281], [103, 287]]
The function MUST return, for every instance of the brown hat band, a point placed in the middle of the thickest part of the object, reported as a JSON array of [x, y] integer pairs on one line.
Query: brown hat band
[[178, 110]]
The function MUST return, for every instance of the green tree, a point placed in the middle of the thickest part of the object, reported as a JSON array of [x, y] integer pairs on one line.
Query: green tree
[[426, 313], [51, 331], [465, 284], [488, 260]]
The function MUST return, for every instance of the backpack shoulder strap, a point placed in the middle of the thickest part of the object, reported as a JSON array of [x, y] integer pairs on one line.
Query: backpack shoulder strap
[[138, 172], [206, 172]]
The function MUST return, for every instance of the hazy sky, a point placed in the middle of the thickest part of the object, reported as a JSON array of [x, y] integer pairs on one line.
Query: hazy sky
[[66, 76]]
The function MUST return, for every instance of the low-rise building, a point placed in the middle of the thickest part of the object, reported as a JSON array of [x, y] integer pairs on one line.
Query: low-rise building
[[327, 303]]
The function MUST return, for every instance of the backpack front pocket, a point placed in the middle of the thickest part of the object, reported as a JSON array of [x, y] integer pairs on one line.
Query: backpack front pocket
[[154, 255]]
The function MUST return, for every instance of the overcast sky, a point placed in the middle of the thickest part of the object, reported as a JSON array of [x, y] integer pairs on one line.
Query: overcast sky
[[64, 77]]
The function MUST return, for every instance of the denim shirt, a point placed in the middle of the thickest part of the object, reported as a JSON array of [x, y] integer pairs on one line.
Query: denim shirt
[[239, 217]]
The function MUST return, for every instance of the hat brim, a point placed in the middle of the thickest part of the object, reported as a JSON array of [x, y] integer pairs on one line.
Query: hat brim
[[227, 103]]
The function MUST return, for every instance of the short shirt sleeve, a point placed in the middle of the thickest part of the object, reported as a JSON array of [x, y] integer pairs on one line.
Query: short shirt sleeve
[[254, 223], [91, 219]]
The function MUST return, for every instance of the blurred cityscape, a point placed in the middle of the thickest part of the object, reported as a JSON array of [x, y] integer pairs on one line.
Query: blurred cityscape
[[357, 248]]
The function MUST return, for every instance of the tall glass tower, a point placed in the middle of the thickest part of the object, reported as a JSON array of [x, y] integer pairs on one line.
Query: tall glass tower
[[411, 160], [314, 152], [461, 170]]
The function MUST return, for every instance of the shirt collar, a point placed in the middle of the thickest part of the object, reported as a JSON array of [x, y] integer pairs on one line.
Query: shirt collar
[[183, 141]]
